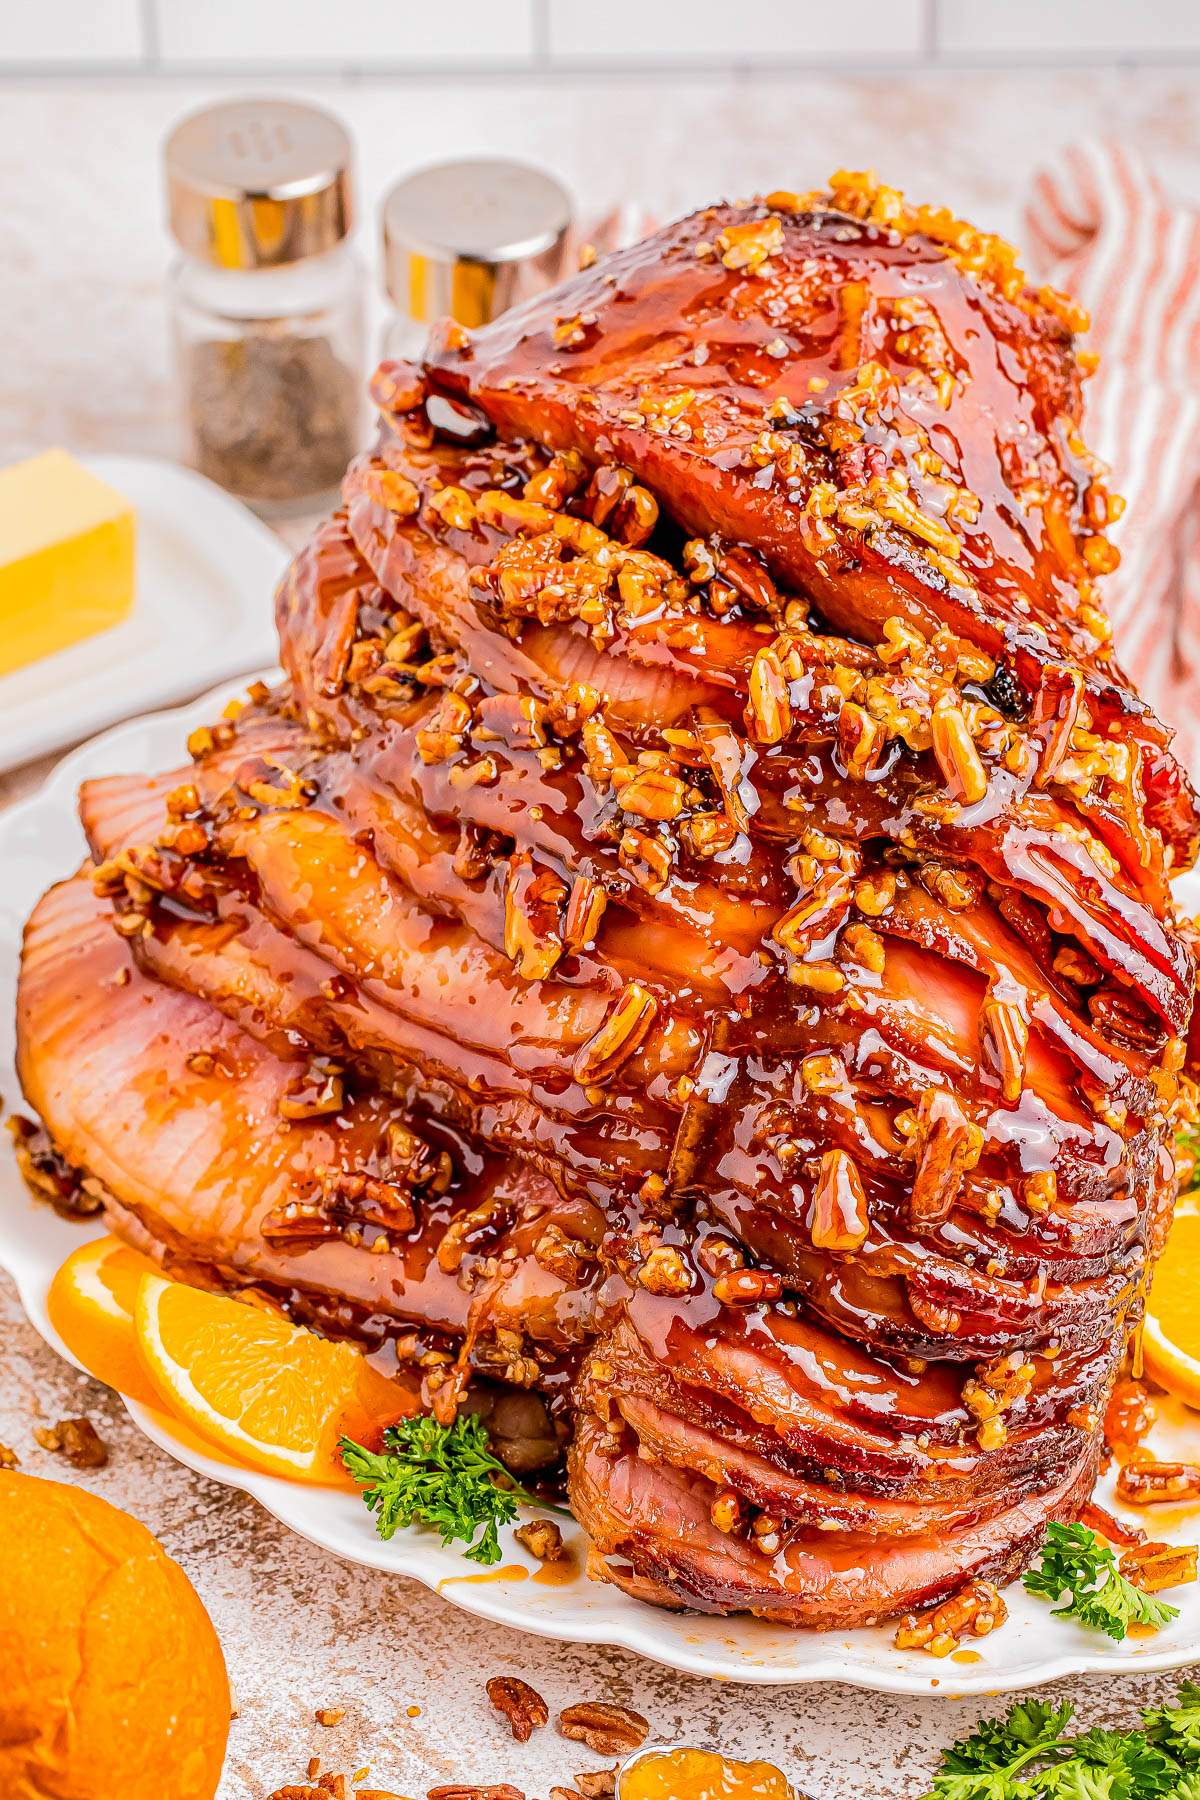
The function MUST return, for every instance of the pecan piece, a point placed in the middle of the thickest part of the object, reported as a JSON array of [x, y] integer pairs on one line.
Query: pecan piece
[[77, 1440], [520, 1704], [1154, 1566], [608, 1730], [597, 1784], [1143, 1481], [458, 1790]]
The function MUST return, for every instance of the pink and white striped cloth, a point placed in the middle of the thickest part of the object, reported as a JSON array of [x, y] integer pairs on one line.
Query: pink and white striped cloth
[[1099, 226]]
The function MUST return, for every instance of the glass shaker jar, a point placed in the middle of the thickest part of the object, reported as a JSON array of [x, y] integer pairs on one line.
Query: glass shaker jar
[[468, 240], [267, 300]]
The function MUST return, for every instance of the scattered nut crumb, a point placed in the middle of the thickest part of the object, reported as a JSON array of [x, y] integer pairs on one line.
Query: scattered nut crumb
[[314, 1767], [9, 1458], [542, 1538], [329, 1715], [77, 1440], [597, 1784]]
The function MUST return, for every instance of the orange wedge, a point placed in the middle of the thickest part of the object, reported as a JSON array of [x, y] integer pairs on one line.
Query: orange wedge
[[270, 1394], [90, 1304], [1171, 1339]]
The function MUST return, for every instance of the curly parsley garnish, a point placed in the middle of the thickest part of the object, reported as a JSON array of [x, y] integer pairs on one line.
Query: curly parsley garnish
[[1028, 1756], [439, 1475], [1077, 1563]]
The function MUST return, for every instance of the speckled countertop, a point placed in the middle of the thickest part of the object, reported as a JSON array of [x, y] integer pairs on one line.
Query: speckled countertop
[[83, 362]]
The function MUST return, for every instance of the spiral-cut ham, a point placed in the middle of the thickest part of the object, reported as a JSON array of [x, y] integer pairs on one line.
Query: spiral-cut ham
[[691, 937]]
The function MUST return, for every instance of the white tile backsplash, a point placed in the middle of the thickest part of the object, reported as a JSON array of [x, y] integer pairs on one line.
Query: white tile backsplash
[[38, 33], [542, 36], [343, 34], [736, 31], [1067, 28]]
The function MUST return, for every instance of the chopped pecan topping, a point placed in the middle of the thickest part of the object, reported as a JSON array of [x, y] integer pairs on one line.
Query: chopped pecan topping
[[317, 1091], [394, 491], [840, 1219], [585, 909], [747, 1287], [768, 710], [748, 246], [957, 757], [665, 1272], [992, 1390], [727, 1512], [650, 793], [708, 834], [1003, 1040], [543, 1540], [625, 1026], [977, 1609], [945, 1144], [560, 1255], [533, 917]]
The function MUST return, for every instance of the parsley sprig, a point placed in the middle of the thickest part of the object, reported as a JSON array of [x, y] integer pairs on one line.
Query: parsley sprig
[[1028, 1756], [1077, 1563], [439, 1475]]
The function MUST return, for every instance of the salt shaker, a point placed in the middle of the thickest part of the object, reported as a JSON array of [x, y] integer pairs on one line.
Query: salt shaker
[[468, 240], [267, 300]]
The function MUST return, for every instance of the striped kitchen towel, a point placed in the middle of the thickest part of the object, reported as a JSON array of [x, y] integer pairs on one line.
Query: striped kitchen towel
[[1098, 225]]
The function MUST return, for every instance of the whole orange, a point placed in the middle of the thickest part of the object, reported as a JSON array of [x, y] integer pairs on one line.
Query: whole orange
[[113, 1679]]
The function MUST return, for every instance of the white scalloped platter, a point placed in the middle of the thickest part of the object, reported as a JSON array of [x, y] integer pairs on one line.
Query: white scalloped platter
[[40, 842]]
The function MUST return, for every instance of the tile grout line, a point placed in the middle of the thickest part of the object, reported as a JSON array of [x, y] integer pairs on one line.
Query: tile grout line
[[151, 37]]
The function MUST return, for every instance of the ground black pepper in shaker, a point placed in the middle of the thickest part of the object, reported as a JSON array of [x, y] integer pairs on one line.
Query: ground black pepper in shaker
[[267, 300]]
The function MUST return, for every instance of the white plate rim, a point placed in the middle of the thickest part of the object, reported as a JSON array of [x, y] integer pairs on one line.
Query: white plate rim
[[865, 1658]]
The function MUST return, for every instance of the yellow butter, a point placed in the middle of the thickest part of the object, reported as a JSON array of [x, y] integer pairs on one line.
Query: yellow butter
[[66, 557]]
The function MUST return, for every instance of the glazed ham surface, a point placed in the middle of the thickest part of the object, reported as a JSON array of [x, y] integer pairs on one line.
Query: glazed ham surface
[[690, 939]]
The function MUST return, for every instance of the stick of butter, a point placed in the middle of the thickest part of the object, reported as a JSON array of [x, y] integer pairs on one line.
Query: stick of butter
[[66, 557]]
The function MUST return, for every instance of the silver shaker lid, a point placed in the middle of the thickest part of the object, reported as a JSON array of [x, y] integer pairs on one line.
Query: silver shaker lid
[[470, 239]]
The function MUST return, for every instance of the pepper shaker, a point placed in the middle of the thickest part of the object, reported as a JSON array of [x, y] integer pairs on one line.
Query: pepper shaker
[[468, 240], [267, 300]]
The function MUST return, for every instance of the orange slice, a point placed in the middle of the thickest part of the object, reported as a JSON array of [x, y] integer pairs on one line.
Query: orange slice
[[272, 1395], [90, 1304], [1171, 1339]]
